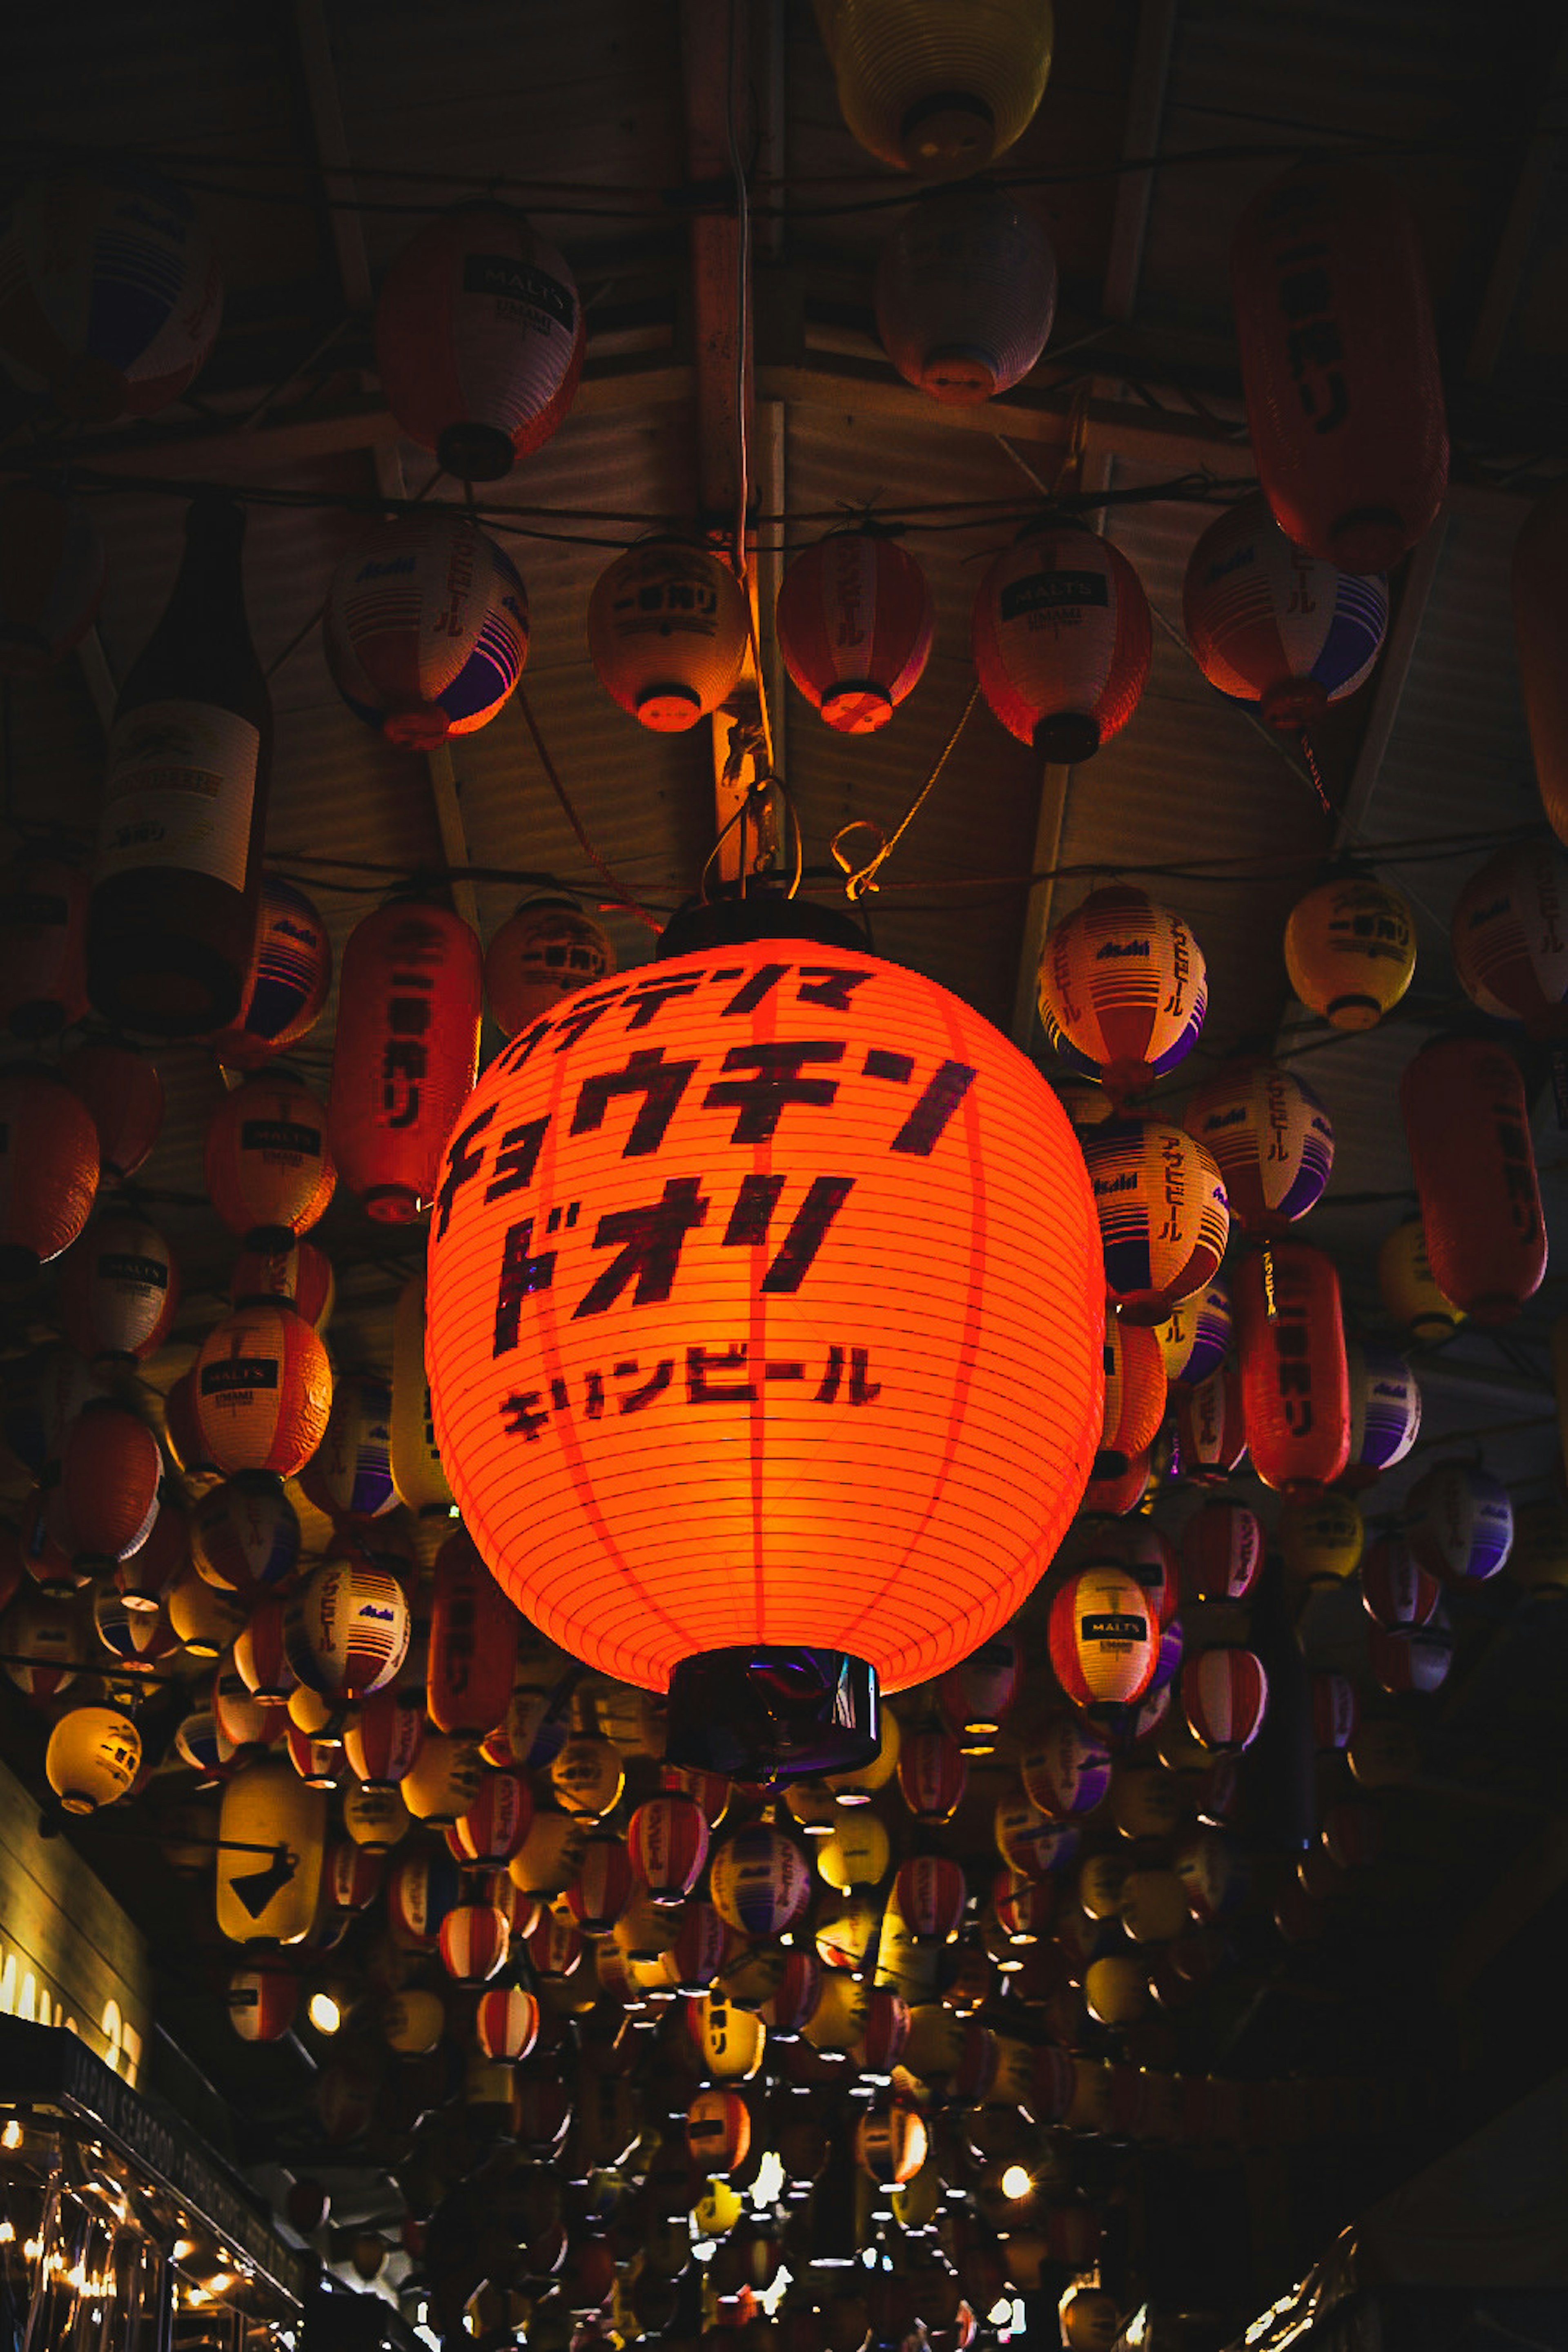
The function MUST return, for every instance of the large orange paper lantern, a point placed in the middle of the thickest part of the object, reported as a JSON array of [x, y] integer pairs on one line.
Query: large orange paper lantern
[[765, 1311], [1295, 1377], [407, 1046], [1467, 1121]]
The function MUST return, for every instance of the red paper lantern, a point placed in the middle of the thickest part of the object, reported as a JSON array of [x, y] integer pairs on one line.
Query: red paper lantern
[[850, 1330], [1270, 624], [932, 1774], [48, 1169], [719, 2132], [855, 619], [120, 1289], [1210, 1432], [549, 949], [1221, 1552], [929, 1894], [426, 630], [1467, 1121], [1271, 1139], [1339, 363], [43, 945], [263, 1390], [966, 293], [1116, 1496], [478, 340], [603, 1887], [1225, 1695], [976, 1694], [883, 2036], [667, 633], [269, 1173], [407, 1052], [1396, 1590], [1295, 1377], [1123, 988], [506, 2024], [1062, 641], [1135, 1395], [145, 1576], [496, 1824], [108, 1484], [1508, 934], [384, 1741], [1161, 1207], [475, 1939], [262, 2002], [123, 1090], [1104, 1642], [286, 981], [474, 1630], [667, 1841], [1336, 1711]]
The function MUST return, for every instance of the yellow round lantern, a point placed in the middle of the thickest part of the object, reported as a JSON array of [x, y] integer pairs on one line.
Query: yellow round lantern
[[1349, 950], [1321, 1536], [667, 633], [1409, 1287], [376, 1819], [1153, 1906], [718, 2209], [93, 1756], [416, 1472], [1117, 1988], [551, 1855], [813, 1808], [934, 89], [444, 1780], [730, 2040], [845, 1929], [839, 2018], [272, 1829], [587, 1776], [858, 1853], [413, 2022]]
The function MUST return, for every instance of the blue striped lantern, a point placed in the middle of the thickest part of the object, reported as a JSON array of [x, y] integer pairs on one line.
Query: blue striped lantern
[[349, 1477], [1195, 1336], [1385, 1410], [426, 629], [1272, 1139], [346, 1631], [1458, 1522], [1122, 989], [289, 981], [1270, 624], [1164, 1223]]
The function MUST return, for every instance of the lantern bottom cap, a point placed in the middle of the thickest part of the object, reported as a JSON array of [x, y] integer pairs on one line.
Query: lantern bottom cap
[[962, 374], [669, 707], [948, 133], [856, 706], [390, 1204], [1066, 737], [418, 726], [472, 452], [773, 1713]]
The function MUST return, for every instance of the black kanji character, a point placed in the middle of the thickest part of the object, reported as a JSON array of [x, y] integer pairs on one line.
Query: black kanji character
[[522, 1274], [650, 1239], [522, 1417], [922, 1130], [660, 1084], [639, 1399], [703, 1363], [760, 1101]]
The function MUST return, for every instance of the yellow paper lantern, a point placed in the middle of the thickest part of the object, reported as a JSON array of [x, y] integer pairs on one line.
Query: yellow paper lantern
[[935, 89], [272, 1827], [1349, 950], [93, 1756]]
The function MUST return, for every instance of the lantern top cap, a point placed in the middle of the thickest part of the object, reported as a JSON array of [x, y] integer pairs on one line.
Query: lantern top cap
[[760, 915]]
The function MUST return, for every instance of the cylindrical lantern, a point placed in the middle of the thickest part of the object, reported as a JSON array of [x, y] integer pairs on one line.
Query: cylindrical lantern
[[349, 1477], [346, 1631], [1221, 1552], [264, 1391], [123, 1090], [286, 981], [1349, 950], [43, 933], [966, 293], [1339, 363], [1409, 1288], [1271, 625], [1225, 1695], [667, 1841], [48, 1169], [1385, 1410], [474, 1630], [1062, 641], [549, 949], [1540, 616], [1211, 1428], [93, 1756], [1160, 1206], [269, 1171], [405, 1053], [120, 1289], [1295, 1376], [1458, 1522], [51, 577], [426, 629], [1134, 1394], [1509, 938], [1104, 1640], [272, 1829], [1122, 989], [383, 1740], [855, 619], [933, 92], [603, 1887], [585, 1367], [1271, 1139], [667, 632], [929, 1894], [112, 294], [495, 1826], [1467, 1121], [478, 340], [1195, 1336]]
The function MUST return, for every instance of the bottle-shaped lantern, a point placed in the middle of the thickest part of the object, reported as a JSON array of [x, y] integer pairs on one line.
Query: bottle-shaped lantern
[[405, 1054]]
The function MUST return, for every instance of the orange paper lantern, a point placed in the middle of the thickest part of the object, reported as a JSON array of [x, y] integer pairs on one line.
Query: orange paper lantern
[[1467, 1121], [264, 1391], [1295, 1376], [765, 1307], [407, 1047], [48, 1169], [269, 1169]]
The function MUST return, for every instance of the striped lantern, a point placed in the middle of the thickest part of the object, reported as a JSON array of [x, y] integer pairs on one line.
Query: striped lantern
[[51, 577], [548, 950], [269, 1897], [263, 1391], [1210, 1432], [1336, 1711], [929, 1894], [505, 2023], [932, 92], [43, 931], [667, 1841], [1540, 611], [1104, 1642], [884, 2034], [269, 1171], [1225, 1694], [1062, 641], [1339, 363], [260, 1653], [298, 1272], [422, 1887], [1321, 1536], [1510, 940], [1021, 1906], [934, 1772], [478, 340], [1467, 1123], [891, 2144], [119, 1290], [1119, 1496], [244, 1719], [1349, 950], [262, 2002], [1385, 1410], [1221, 1552], [349, 1477], [1164, 1224], [245, 1535], [318, 1760], [383, 1740], [1458, 1522], [1395, 1590], [718, 2132], [966, 293], [1030, 1841], [497, 1822], [554, 1947], [1270, 624], [1195, 1336], [347, 1629], [1271, 1139], [286, 981], [121, 1088], [1065, 1769], [109, 1473], [667, 632], [758, 1881], [426, 629], [474, 1630], [48, 1169], [140, 1641], [415, 1458], [603, 1887], [351, 1875], [405, 1054], [854, 621], [112, 296], [1295, 1377], [475, 1939], [1150, 1559], [1415, 1658], [1134, 1394], [1409, 1288]]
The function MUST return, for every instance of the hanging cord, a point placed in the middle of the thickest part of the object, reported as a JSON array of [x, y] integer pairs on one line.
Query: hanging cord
[[750, 810], [742, 451], [858, 879], [622, 896]]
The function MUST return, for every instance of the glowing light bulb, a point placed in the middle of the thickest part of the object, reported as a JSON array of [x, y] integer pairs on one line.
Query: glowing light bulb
[[1017, 2181], [324, 2013], [12, 2135]]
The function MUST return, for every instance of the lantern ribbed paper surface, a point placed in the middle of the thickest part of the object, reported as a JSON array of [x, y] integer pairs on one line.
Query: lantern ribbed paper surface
[[1270, 624], [1123, 988], [766, 1305]]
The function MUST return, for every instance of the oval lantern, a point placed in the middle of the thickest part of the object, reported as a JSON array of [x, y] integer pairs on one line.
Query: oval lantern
[[426, 630], [272, 1829], [1225, 1694], [263, 1391], [1510, 937], [496, 1823], [1160, 1206], [1467, 1121], [474, 1942], [349, 1477], [1339, 363], [1211, 1428], [112, 294], [588, 1776], [121, 1088], [1196, 1337], [719, 2131], [262, 2004], [1134, 1395], [931, 93], [45, 1644], [1062, 641], [1270, 1138], [758, 1881], [43, 951], [346, 1632], [473, 1643], [286, 981], [1104, 1640], [579, 1481], [505, 2023], [966, 293], [48, 1169], [1385, 1410], [1321, 1536], [260, 1653], [245, 1535], [1540, 613], [1396, 1590], [120, 1288], [667, 1841], [976, 1697], [1415, 1658], [1123, 988], [603, 1887], [547, 950], [854, 621], [383, 1740], [1066, 1770], [1268, 624], [934, 1772], [1295, 1376], [405, 1054], [667, 633], [890, 2143], [109, 1473], [1458, 1522], [421, 1888], [93, 1756], [1349, 950], [1409, 1288], [269, 1171], [1221, 1552], [479, 340], [415, 1458], [857, 1853], [930, 1894], [1336, 1711], [51, 577]]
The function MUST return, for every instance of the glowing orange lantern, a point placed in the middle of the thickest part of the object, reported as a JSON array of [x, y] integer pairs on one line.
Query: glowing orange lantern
[[667, 632], [1295, 1375], [855, 622], [406, 1050], [263, 1391], [1467, 1121], [671, 1355]]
